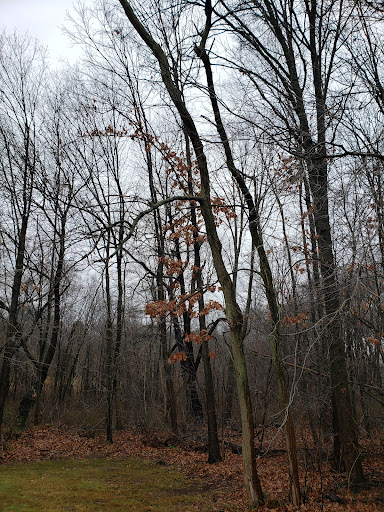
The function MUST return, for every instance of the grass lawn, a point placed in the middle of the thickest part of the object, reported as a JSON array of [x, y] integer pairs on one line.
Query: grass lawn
[[99, 485]]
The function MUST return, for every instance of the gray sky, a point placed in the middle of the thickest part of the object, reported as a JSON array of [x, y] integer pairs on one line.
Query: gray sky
[[42, 19]]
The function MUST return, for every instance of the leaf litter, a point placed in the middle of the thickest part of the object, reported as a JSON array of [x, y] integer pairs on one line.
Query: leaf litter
[[323, 489]]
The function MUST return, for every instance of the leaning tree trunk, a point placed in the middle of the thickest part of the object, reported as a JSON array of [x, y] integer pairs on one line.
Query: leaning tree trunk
[[233, 312], [266, 275]]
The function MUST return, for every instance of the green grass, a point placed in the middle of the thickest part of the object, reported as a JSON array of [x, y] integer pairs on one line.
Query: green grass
[[96, 485]]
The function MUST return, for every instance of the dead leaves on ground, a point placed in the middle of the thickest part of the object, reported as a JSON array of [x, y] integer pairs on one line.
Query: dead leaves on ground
[[324, 490]]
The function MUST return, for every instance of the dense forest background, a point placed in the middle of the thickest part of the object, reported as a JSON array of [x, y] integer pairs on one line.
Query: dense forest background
[[192, 224]]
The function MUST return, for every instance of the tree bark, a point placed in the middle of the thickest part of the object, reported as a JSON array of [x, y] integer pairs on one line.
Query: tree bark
[[312, 149], [233, 312], [266, 275], [11, 345], [214, 454]]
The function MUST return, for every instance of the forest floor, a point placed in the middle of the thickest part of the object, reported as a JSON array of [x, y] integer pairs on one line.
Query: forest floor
[[216, 487]]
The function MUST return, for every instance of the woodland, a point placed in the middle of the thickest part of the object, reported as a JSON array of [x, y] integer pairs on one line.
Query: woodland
[[192, 245]]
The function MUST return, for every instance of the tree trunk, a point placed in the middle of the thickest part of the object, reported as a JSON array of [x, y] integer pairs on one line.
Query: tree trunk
[[109, 347], [343, 420], [266, 275], [119, 317], [11, 345], [213, 437], [233, 313]]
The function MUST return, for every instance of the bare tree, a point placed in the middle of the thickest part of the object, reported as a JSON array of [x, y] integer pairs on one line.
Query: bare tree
[[233, 312], [301, 53], [22, 72]]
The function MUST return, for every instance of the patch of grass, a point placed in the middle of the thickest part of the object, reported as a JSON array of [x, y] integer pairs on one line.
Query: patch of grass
[[99, 485]]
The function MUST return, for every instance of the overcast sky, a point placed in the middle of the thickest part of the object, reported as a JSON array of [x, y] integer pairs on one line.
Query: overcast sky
[[43, 19]]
